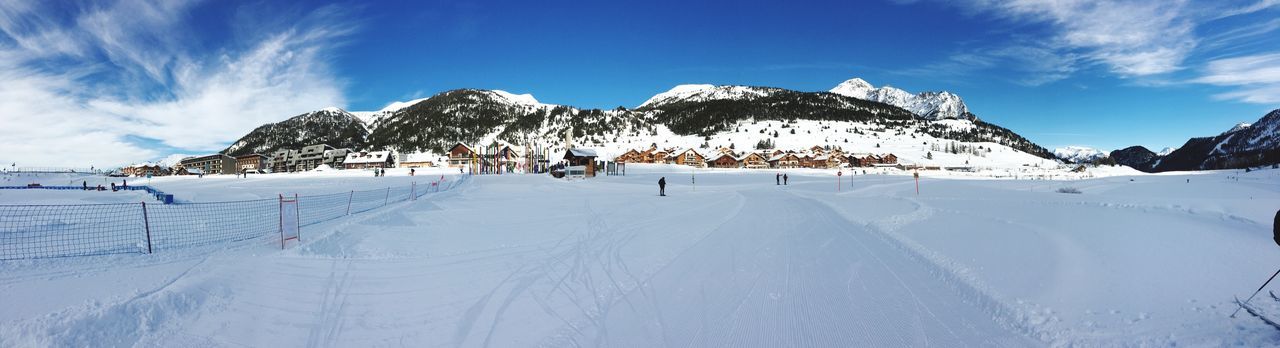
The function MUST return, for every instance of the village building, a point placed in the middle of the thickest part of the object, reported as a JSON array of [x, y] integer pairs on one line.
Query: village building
[[581, 159], [369, 159], [335, 157], [251, 162], [460, 155], [631, 156], [722, 160], [310, 157], [784, 160], [282, 160], [417, 160], [889, 159], [145, 169], [688, 157], [753, 160], [211, 164], [659, 156]]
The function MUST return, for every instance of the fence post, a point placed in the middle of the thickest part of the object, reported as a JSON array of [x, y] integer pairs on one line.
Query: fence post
[[353, 194], [146, 225], [387, 198]]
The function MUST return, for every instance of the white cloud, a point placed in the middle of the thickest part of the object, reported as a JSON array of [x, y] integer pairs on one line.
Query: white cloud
[[1132, 38], [1255, 78], [76, 91]]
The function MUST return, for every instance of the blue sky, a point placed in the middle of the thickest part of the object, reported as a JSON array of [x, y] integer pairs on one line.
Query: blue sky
[[122, 81]]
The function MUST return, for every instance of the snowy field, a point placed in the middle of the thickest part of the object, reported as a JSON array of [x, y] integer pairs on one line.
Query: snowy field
[[527, 260]]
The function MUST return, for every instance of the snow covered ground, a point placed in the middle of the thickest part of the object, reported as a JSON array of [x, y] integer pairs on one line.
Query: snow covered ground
[[527, 260]]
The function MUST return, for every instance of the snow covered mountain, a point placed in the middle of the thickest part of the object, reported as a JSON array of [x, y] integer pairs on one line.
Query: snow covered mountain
[[927, 105], [1245, 145], [1238, 127], [1078, 154], [330, 125], [699, 93], [696, 116]]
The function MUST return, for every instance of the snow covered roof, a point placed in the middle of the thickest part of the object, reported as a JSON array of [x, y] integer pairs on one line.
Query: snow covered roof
[[720, 155], [682, 151], [418, 157], [368, 157], [583, 152], [780, 156]]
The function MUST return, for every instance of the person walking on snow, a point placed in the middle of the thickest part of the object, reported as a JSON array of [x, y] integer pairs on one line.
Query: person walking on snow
[[784, 179], [662, 186], [777, 179]]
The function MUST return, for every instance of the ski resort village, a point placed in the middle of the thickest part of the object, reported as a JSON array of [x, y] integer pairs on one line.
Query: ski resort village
[[195, 175]]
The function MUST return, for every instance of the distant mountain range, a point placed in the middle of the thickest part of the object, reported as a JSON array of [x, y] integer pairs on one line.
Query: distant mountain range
[[1245, 145], [687, 113]]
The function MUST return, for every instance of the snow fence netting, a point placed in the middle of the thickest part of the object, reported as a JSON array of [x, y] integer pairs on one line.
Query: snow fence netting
[[40, 231]]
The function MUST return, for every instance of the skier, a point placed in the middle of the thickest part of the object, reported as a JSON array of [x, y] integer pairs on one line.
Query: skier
[[1275, 228], [113, 186], [126, 184], [662, 186], [784, 179], [85, 185], [777, 179]]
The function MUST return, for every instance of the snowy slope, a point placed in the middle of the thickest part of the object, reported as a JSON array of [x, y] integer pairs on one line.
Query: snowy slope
[[694, 93], [927, 105], [605, 262]]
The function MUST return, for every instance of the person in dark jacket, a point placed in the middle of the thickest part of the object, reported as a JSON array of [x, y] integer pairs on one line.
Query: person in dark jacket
[[777, 179], [85, 185], [662, 186], [1275, 228], [784, 179]]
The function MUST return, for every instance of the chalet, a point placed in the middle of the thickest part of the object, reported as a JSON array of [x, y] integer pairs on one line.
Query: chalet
[[863, 159], [828, 161], [722, 160], [144, 169], [807, 160], [659, 156], [631, 156], [369, 159], [212, 164], [251, 163], [460, 155], [416, 160], [753, 160], [582, 159], [688, 157], [889, 159], [725, 150], [817, 150], [784, 160]]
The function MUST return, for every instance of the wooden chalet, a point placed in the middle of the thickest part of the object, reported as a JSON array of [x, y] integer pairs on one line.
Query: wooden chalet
[[688, 157], [585, 158], [460, 155], [723, 160], [631, 156], [784, 160], [753, 160]]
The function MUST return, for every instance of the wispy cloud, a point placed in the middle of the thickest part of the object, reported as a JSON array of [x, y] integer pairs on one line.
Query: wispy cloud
[[1029, 64], [80, 83], [1256, 77]]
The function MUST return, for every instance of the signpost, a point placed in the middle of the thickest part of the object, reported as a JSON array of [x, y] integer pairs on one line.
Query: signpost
[[917, 176], [289, 220], [838, 175]]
